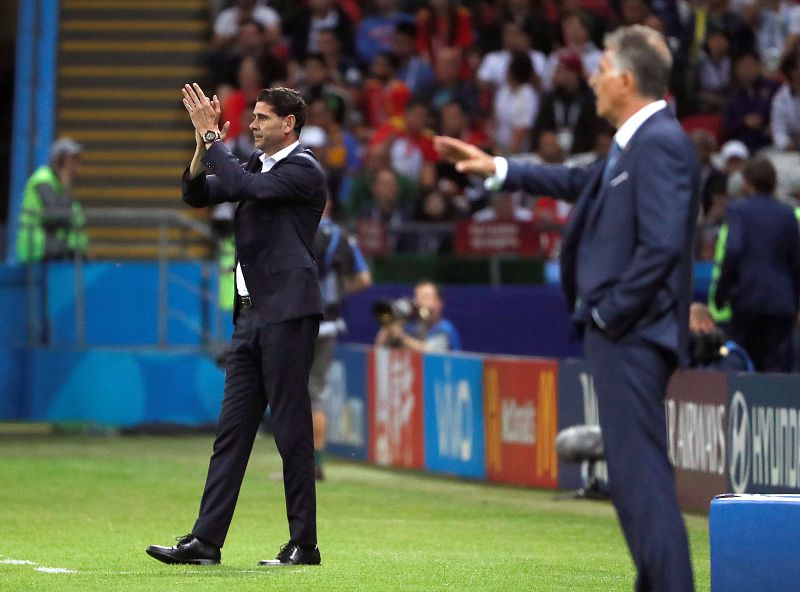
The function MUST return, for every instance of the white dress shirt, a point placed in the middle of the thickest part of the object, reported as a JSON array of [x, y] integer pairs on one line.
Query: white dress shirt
[[267, 163]]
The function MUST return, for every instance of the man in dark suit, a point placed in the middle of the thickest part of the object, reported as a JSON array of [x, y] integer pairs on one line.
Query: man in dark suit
[[280, 194], [626, 270], [760, 275]]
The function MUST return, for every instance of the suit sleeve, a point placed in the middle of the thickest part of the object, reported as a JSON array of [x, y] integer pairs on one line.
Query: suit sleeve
[[665, 209], [556, 181], [296, 179], [204, 190]]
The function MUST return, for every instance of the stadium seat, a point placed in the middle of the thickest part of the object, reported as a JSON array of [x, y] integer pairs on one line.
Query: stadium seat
[[754, 543], [707, 121]]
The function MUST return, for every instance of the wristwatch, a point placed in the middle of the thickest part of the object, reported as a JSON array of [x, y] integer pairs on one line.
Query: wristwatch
[[211, 136]]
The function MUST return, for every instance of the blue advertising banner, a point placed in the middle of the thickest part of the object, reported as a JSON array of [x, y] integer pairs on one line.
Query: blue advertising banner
[[454, 427], [764, 433], [347, 403]]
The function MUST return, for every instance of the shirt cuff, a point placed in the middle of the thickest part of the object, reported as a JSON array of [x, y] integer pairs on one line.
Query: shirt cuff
[[597, 320], [495, 182]]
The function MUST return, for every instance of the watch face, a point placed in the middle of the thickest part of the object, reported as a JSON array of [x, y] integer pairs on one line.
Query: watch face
[[209, 136]]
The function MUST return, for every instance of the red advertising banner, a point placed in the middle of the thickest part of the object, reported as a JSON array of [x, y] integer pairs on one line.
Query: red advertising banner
[[395, 408], [496, 238], [521, 410], [697, 425]]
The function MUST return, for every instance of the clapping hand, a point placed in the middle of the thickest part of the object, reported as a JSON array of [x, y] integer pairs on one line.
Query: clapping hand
[[204, 112]]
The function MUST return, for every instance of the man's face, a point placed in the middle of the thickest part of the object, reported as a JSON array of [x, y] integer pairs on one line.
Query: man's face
[[453, 120], [425, 296], [269, 129], [611, 88]]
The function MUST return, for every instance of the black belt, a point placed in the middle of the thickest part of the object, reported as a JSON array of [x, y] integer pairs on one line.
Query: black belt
[[244, 301]]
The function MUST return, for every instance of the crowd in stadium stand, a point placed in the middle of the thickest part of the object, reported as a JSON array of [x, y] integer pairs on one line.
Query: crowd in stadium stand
[[382, 77]]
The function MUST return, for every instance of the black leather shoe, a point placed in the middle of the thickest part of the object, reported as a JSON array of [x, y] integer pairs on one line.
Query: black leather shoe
[[189, 550], [291, 554]]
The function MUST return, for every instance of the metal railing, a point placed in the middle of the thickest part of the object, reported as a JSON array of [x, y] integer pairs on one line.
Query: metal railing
[[164, 221]]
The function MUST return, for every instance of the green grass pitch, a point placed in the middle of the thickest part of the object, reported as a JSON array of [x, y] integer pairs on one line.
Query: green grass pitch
[[79, 512]]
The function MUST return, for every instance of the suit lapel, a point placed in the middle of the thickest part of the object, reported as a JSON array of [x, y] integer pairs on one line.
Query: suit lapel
[[601, 191]]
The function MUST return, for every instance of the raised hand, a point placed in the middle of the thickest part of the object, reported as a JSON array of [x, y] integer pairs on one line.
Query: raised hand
[[468, 158], [201, 110]]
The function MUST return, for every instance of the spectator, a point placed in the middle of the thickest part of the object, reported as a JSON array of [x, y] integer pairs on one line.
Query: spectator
[[549, 149], [786, 106], [340, 156], [713, 74], [635, 12], [227, 23], [529, 15], [760, 272], [576, 41], [714, 16], [410, 142], [443, 23], [505, 207], [317, 82], [375, 33], [384, 97], [515, 106], [415, 72], [342, 272], [746, 114], [435, 207], [595, 25], [710, 348], [778, 24], [430, 333], [376, 159], [569, 109], [343, 69], [250, 83], [449, 86], [385, 204], [712, 180], [320, 15], [51, 223], [494, 65], [733, 155], [253, 40]]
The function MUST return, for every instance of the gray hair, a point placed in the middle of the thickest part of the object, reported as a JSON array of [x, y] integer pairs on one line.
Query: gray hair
[[643, 52]]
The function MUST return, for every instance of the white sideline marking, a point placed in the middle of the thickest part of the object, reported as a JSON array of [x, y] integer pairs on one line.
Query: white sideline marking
[[16, 562], [56, 570]]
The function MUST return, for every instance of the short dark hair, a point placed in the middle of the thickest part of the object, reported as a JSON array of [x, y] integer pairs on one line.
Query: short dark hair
[[789, 63], [520, 67], [285, 101], [316, 57], [760, 175], [643, 52], [406, 28]]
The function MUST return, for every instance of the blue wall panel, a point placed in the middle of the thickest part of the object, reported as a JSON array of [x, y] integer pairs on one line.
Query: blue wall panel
[[454, 425], [348, 427]]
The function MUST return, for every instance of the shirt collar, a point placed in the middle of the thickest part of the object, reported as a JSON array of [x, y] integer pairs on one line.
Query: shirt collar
[[280, 154], [635, 121]]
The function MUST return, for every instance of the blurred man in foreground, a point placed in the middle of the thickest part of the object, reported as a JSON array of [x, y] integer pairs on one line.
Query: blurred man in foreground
[[760, 272], [342, 271], [626, 271]]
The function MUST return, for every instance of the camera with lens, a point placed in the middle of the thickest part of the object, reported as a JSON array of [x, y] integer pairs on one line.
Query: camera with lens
[[387, 311], [706, 348]]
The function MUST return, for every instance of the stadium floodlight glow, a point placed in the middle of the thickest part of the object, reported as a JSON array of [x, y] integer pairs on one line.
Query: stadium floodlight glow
[[579, 444]]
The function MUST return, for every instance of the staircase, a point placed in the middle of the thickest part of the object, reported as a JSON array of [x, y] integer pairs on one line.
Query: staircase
[[121, 65]]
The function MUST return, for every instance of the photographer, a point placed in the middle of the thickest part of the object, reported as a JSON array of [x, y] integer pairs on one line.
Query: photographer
[[709, 347], [419, 327]]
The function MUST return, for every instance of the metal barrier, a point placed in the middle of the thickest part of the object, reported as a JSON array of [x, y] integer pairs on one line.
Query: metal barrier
[[164, 220]]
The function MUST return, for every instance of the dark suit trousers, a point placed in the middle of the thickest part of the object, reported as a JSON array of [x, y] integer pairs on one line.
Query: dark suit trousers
[[268, 363], [767, 339], [630, 377]]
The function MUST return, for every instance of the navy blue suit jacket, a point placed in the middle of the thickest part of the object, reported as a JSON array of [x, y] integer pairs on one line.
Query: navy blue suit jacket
[[761, 267], [276, 219], [627, 247]]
